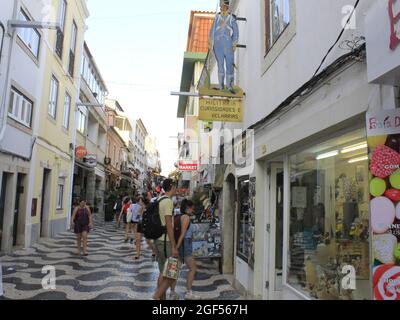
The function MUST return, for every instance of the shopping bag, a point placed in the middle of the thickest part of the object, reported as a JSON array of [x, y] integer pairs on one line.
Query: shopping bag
[[171, 268]]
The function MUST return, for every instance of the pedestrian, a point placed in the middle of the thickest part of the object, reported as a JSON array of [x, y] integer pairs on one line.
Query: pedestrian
[[124, 216], [165, 246], [148, 199], [83, 222], [184, 245], [173, 295], [117, 211], [137, 214]]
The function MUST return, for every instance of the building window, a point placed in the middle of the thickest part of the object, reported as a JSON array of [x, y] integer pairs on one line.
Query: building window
[[60, 32], [243, 243], [329, 217], [277, 18], [20, 108], [53, 97], [74, 34], [30, 37], [60, 193], [67, 110], [81, 122]]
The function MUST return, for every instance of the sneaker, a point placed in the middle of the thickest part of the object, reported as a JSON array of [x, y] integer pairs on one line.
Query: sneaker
[[174, 296], [191, 296]]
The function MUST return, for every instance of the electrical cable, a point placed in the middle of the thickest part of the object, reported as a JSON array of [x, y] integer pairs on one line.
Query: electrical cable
[[338, 39]]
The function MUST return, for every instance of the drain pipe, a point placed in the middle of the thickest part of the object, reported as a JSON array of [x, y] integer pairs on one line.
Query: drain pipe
[[3, 102]]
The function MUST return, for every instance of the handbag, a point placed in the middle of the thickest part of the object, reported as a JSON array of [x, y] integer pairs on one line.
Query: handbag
[[171, 268]]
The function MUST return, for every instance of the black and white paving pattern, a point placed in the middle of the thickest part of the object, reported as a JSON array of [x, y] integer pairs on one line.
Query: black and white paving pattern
[[108, 273]]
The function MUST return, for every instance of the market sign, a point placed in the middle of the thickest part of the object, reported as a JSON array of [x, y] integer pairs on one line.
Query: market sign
[[383, 130], [91, 160], [221, 110], [188, 165], [383, 50], [80, 152]]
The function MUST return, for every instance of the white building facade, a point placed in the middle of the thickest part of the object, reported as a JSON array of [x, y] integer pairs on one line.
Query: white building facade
[[309, 180], [21, 73]]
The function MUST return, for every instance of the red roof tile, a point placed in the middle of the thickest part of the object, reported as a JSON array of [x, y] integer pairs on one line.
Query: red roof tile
[[199, 29]]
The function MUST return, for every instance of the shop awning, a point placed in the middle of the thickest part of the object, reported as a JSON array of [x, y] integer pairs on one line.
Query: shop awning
[[78, 164]]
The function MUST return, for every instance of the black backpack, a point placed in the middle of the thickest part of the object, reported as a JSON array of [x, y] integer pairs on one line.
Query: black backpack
[[151, 223]]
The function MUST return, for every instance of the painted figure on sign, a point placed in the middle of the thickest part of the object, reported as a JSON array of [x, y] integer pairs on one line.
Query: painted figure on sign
[[394, 19], [224, 36]]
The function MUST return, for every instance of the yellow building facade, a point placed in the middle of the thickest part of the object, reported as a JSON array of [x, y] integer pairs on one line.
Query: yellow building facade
[[53, 157]]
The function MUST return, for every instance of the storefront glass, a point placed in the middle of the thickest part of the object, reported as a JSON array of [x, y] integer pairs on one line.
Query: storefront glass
[[329, 219], [243, 242]]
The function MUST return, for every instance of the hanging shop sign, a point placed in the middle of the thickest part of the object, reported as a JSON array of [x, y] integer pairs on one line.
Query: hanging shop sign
[[383, 129], [222, 110], [81, 152], [188, 165], [383, 50], [91, 160]]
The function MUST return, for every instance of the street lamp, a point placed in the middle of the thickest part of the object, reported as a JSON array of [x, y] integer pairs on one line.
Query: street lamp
[[13, 24]]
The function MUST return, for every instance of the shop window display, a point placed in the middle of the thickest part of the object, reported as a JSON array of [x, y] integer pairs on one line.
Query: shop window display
[[244, 219], [329, 218]]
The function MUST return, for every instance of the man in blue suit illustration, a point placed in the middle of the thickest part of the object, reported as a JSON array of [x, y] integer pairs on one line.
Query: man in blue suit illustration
[[224, 36]]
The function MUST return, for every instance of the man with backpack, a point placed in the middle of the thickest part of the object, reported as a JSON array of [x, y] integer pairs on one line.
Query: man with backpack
[[158, 225]]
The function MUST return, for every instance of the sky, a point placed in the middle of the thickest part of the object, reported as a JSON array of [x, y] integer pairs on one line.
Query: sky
[[138, 46]]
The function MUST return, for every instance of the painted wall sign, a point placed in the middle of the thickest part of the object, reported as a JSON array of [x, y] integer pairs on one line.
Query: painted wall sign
[[394, 19], [381, 29], [80, 152], [188, 165], [383, 129], [221, 110]]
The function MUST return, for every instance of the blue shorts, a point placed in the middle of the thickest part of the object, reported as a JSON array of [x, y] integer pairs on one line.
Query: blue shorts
[[186, 249]]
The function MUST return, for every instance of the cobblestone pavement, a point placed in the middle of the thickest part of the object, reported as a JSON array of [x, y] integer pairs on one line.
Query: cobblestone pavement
[[108, 273]]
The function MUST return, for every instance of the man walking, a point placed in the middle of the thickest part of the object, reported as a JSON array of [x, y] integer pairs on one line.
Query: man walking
[[165, 246], [224, 36]]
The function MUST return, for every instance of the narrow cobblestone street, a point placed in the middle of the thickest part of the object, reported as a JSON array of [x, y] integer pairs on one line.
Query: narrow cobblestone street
[[109, 272]]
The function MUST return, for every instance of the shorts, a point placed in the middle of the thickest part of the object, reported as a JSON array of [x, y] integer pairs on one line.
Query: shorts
[[161, 258], [124, 218], [129, 216], [186, 249]]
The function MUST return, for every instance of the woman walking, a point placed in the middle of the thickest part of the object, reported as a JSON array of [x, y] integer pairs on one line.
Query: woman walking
[[137, 214], [117, 211], [83, 222], [184, 245], [124, 214]]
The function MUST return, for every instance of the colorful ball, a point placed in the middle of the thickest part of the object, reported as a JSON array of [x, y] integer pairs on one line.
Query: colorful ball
[[393, 194], [375, 141], [395, 179], [386, 279], [383, 214], [397, 252], [377, 187], [398, 211]]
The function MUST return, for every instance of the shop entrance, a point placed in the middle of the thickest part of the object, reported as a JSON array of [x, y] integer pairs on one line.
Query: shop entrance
[[45, 207], [3, 204], [275, 231], [19, 218]]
